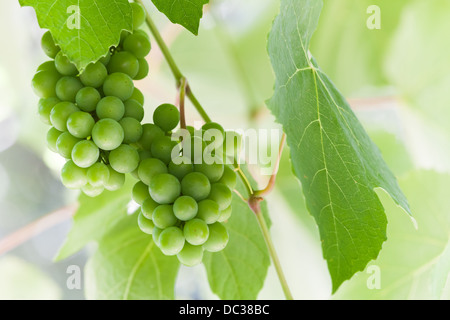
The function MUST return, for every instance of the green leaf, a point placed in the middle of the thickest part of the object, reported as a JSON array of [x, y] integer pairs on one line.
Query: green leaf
[[337, 163], [84, 29], [185, 12], [95, 217], [239, 271], [129, 266]]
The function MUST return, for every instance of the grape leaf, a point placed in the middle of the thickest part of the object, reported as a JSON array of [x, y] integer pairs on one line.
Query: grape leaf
[[129, 266], [95, 217], [84, 29], [185, 12], [337, 163]]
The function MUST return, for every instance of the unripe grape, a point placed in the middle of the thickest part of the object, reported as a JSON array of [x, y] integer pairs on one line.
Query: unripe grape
[[150, 167], [166, 116], [229, 177], [110, 107], [60, 113], [146, 225], [181, 167], [85, 153], [72, 176], [196, 185], [162, 147], [47, 65], [92, 191], [119, 85], [218, 238], [137, 44], [132, 129], [171, 241], [148, 207], [87, 99], [80, 124], [164, 188], [163, 216], [190, 255], [98, 174], [155, 235], [138, 14], [94, 75], [124, 62], [185, 208], [65, 144], [124, 159], [107, 134], [67, 88], [48, 45], [213, 171], [45, 106], [134, 109], [150, 132], [64, 65], [52, 136], [140, 192], [196, 231], [143, 69], [44, 83], [116, 180], [221, 194], [208, 211], [225, 214]]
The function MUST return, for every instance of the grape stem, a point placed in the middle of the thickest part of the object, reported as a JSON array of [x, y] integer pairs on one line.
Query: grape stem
[[181, 99], [173, 66]]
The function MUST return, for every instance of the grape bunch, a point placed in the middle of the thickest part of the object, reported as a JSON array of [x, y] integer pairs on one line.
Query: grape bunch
[[183, 200], [95, 116]]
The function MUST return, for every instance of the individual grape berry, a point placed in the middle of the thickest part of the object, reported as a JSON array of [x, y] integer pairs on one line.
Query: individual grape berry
[[92, 191], [148, 207], [164, 188], [124, 62], [196, 185], [138, 14], [190, 255], [94, 75], [196, 231], [143, 69], [48, 66], [166, 116], [180, 167], [138, 96], [105, 60], [107, 134], [85, 153], [225, 214], [65, 144], [221, 194], [60, 114], [110, 107], [162, 147], [155, 235], [87, 99], [229, 177], [67, 88], [213, 171], [194, 148], [116, 180], [64, 65], [132, 129], [146, 225], [52, 136], [80, 124], [185, 208], [213, 125], [218, 238], [98, 174], [45, 106], [150, 167], [72, 176], [150, 132], [208, 211], [48, 45], [124, 159], [140, 192], [213, 134], [119, 85], [163, 216], [171, 241], [134, 109], [137, 44], [44, 83]]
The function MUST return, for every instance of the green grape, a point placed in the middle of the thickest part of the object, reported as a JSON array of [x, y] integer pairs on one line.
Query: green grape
[[123, 35], [132, 129], [92, 191], [213, 171], [146, 225], [116, 180], [48, 66], [124, 159], [140, 192], [138, 96], [196, 231], [64, 66], [229, 177], [232, 144], [94, 75], [221, 194], [124, 62], [143, 69], [105, 60], [150, 132], [155, 234], [44, 83], [67, 88], [80, 124], [134, 109], [52, 136], [191, 130], [194, 149], [48, 45], [166, 116], [190, 255], [72, 176], [65, 144], [163, 216], [45, 106], [208, 211], [162, 147], [110, 107], [150, 167], [225, 214], [107, 134], [60, 113], [218, 238], [87, 99], [185, 208], [85, 153], [98, 174], [144, 154], [171, 241], [164, 188], [138, 14], [181, 167], [196, 185], [148, 207], [119, 85], [213, 125], [137, 44]]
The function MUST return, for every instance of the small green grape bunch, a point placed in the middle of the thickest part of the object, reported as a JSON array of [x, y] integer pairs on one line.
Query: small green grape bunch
[[95, 116], [184, 204]]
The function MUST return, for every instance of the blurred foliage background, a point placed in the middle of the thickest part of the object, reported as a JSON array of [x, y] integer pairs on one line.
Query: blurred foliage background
[[396, 79]]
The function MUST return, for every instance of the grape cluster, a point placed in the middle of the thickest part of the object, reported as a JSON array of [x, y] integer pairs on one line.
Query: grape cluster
[[184, 201], [96, 114]]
